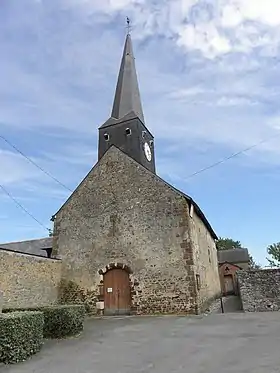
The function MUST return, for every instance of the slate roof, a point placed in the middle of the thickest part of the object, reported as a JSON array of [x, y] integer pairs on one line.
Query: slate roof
[[33, 247], [233, 256], [127, 95], [195, 205]]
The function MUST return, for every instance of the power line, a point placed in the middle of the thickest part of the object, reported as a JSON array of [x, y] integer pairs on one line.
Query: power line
[[188, 177], [35, 164], [192, 175], [23, 208], [231, 156]]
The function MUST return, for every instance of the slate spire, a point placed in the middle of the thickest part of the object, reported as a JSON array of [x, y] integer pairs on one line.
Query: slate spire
[[127, 96], [125, 129]]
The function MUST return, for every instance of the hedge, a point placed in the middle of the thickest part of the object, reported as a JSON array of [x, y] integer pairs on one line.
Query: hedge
[[61, 320], [21, 335]]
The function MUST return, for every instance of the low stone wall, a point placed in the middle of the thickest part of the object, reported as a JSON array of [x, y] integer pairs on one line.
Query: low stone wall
[[259, 290], [27, 280]]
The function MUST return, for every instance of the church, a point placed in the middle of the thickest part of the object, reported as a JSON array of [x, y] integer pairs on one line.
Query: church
[[129, 242], [134, 242]]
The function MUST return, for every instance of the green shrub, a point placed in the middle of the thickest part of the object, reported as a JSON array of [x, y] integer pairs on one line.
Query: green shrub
[[60, 320], [72, 293], [21, 335], [63, 320]]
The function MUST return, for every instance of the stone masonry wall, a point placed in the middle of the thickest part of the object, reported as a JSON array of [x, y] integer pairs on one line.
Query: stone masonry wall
[[122, 213], [206, 262], [28, 281], [259, 290]]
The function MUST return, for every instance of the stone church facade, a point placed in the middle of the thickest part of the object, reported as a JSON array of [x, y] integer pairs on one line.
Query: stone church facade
[[125, 241], [128, 240]]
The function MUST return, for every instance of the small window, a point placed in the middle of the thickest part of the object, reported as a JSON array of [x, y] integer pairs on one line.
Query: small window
[[106, 137], [209, 254], [152, 142], [128, 131], [144, 134], [197, 282]]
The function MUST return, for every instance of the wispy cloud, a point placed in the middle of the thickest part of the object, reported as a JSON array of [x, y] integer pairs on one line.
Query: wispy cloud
[[72, 83], [213, 28], [13, 168], [209, 78]]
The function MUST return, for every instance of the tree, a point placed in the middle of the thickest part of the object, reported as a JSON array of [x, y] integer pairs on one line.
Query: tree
[[253, 264], [227, 244], [274, 251]]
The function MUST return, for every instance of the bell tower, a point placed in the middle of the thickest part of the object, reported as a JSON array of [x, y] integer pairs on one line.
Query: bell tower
[[126, 127]]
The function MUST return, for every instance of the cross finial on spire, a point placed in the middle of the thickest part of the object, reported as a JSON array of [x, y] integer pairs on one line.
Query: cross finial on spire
[[128, 27]]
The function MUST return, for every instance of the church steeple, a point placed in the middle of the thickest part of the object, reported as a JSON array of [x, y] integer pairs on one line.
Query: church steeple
[[126, 127], [127, 95]]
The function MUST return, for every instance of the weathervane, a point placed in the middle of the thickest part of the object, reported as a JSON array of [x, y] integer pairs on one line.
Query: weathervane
[[128, 27]]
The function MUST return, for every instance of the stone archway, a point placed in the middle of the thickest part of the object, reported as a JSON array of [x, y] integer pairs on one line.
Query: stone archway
[[117, 289]]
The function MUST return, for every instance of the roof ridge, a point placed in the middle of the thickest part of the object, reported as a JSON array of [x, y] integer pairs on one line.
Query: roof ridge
[[30, 240]]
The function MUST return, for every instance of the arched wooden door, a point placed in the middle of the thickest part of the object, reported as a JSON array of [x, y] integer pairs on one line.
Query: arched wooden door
[[117, 294]]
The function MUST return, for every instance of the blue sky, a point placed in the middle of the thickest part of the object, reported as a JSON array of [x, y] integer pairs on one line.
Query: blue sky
[[209, 77]]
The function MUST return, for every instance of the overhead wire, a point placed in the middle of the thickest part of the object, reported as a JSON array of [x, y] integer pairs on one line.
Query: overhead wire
[[231, 156], [22, 207], [35, 164], [63, 185]]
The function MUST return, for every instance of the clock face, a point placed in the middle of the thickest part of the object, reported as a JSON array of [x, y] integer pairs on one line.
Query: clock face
[[147, 151]]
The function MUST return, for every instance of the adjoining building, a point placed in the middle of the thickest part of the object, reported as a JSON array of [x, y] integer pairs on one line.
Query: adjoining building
[[230, 261]]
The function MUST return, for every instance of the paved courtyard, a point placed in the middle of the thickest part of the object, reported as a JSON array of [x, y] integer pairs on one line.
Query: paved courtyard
[[232, 342]]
